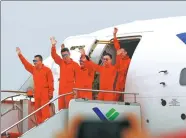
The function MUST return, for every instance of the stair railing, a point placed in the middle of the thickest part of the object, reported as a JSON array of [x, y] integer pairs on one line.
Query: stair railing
[[14, 106], [4, 132], [104, 91], [75, 90]]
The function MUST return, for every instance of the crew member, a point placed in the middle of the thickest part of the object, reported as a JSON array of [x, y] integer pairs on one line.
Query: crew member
[[107, 75], [123, 65], [84, 80], [68, 70], [43, 84]]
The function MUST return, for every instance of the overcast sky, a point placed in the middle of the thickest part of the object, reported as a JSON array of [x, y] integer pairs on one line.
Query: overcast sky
[[30, 24]]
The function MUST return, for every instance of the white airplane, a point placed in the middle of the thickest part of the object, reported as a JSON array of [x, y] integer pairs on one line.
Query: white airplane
[[157, 71]]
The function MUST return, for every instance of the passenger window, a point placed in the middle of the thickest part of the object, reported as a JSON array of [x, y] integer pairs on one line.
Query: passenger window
[[183, 77]]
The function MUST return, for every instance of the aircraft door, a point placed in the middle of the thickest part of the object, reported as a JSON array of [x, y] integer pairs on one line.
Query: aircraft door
[[98, 49], [173, 63], [171, 71], [154, 73]]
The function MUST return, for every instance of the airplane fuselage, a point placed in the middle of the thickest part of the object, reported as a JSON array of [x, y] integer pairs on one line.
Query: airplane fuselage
[[157, 70]]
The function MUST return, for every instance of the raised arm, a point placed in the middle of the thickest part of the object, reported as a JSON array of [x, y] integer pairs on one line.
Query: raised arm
[[88, 63], [28, 66], [116, 42], [92, 66], [50, 79], [54, 55], [118, 59]]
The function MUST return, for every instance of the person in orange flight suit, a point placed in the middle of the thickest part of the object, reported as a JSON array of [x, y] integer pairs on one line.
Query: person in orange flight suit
[[68, 70], [43, 84], [107, 75], [123, 65], [84, 80]]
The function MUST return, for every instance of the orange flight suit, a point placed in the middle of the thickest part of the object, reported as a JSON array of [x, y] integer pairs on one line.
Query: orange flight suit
[[84, 80], [107, 78], [43, 87], [122, 67], [67, 78]]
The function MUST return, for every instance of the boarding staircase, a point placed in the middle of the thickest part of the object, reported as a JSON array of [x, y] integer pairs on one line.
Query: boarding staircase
[[111, 111]]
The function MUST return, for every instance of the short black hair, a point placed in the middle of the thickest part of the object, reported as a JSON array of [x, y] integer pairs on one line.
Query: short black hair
[[65, 50], [39, 56], [108, 54]]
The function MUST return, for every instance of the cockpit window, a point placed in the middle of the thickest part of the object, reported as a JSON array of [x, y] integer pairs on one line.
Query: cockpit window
[[183, 77], [182, 37]]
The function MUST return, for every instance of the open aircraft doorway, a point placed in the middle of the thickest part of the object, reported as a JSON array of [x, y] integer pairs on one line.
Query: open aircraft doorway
[[129, 43]]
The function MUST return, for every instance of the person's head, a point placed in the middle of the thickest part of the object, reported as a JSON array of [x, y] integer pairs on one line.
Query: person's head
[[123, 52], [81, 61], [65, 53], [107, 59], [38, 60]]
